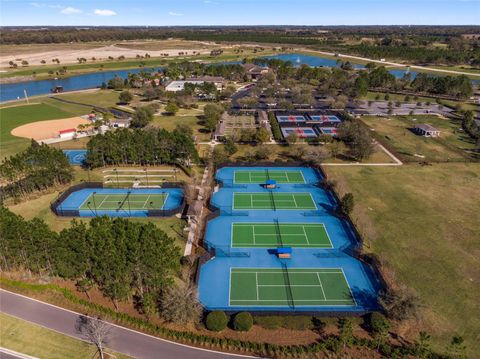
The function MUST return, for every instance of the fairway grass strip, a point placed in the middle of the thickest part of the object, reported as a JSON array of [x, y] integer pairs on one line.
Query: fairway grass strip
[[261, 176], [274, 201], [266, 235], [257, 287], [120, 201]]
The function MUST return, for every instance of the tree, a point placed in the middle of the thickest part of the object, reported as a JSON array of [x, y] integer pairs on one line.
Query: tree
[[243, 322], [216, 321], [116, 83], [262, 135], [95, 331], [125, 97], [345, 327], [422, 346], [357, 138], [400, 304], [219, 155], [185, 129], [171, 108], [380, 326], [142, 117], [230, 146], [292, 138], [457, 348], [212, 113], [179, 304], [347, 203], [336, 148]]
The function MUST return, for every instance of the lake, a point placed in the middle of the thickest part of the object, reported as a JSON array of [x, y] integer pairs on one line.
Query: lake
[[78, 82], [81, 82]]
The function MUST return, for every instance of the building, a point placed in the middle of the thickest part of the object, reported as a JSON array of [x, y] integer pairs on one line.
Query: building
[[426, 130], [68, 133], [254, 72], [179, 85]]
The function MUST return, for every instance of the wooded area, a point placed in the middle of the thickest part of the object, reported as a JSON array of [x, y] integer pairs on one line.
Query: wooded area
[[122, 258]]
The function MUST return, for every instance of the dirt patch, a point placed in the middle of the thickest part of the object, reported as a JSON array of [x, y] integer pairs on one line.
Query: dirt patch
[[101, 53], [47, 129]]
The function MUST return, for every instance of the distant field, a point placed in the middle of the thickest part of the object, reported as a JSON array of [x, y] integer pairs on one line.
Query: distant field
[[452, 145], [424, 222], [34, 340], [13, 117]]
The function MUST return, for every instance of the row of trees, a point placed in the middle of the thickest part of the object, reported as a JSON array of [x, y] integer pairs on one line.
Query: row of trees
[[140, 147], [35, 169], [123, 259]]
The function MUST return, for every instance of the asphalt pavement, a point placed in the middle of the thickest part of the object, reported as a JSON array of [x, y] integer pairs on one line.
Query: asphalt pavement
[[123, 340]]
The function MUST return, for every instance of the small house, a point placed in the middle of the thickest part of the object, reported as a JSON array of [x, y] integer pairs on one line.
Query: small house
[[426, 130]]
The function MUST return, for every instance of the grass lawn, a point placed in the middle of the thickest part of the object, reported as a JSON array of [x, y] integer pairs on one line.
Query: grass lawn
[[424, 222], [170, 122], [452, 145], [281, 151], [31, 339], [12, 117]]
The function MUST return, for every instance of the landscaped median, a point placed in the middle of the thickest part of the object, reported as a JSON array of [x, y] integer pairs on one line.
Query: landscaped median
[[330, 343]]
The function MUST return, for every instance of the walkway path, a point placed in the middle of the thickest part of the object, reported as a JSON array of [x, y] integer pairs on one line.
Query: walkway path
[[122, 340]]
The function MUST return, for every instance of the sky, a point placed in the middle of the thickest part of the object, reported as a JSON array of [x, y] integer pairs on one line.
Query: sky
[[239, 12]]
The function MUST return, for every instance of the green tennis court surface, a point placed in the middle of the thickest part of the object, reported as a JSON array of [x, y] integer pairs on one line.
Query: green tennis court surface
[[303, 235], [295, 286], [125, 201], [273, 201], [261, 176]]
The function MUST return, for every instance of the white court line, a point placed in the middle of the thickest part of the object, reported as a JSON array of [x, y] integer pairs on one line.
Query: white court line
[[100, 205], [306, 237], [146, 201], [254, 239], [321, 286], [256, 283]]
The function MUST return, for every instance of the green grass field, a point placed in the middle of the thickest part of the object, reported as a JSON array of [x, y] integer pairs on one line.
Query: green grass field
[[273, 201], [292, 287], [12, 117], [452, 145], [267, 235], [37, 341], [424, 222], [261, 176], [124, 202]]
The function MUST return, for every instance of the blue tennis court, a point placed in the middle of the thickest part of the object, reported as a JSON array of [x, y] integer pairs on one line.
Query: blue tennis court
[[120, 202], [328, 131], [75, 157], [325, 118], [247, 272], [291, 118], [304, 132]]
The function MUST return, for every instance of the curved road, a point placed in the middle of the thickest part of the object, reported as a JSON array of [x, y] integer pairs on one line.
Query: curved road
[[123, 340]]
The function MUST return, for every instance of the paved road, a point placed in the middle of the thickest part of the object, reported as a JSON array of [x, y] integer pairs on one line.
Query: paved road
[[123, 340]]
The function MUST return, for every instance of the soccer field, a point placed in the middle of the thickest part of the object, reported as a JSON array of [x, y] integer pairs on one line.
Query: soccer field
[[293, 287], [261, 176], [126, 201], [273, 201], [302, 235]]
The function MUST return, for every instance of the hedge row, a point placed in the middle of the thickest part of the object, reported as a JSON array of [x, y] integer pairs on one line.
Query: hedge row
[[330, 343], [277, 133]]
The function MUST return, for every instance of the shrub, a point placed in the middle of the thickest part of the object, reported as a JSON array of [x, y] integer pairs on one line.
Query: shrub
[[269, 322], [243, 322], [378, 323], [216, 321], [298, 322]]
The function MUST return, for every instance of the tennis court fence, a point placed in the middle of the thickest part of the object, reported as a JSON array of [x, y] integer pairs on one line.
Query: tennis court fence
[[71, 212], [225, 251]]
